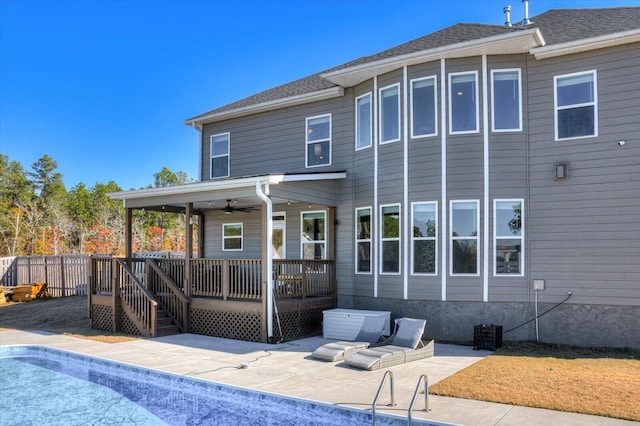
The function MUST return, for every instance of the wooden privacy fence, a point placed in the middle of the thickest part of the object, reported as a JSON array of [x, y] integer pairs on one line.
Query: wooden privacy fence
[[65, 275]]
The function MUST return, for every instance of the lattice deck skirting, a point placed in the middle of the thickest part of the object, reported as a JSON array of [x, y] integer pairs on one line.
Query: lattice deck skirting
[[128, 327], [102, 317], [297, 324], [230, 325]]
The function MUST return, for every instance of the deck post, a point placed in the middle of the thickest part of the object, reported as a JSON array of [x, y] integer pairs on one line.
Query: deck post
[[115, 296], [187, 258], [128, 235]]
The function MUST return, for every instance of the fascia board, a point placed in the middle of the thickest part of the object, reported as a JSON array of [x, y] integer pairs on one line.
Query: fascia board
[[192, 190], [517, 42], [584, 45], [332, 92]]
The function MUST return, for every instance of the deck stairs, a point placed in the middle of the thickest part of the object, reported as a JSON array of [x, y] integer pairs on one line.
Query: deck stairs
[[165, 325]]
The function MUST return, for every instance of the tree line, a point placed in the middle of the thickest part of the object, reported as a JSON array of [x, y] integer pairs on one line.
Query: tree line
[[39, 216]]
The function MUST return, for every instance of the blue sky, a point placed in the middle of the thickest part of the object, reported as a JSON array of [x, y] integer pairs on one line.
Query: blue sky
[[103, 86]]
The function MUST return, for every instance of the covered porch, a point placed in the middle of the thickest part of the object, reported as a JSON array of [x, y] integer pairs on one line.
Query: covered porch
[[266, 281]]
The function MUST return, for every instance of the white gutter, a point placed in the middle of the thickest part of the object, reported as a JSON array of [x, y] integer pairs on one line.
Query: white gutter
[[584, 45], [269, 244]]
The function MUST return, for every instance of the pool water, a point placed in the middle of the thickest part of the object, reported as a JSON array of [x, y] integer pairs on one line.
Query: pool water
[[45, 386]]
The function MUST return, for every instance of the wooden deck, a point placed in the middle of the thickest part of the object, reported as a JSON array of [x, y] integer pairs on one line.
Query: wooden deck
[[218, 297]]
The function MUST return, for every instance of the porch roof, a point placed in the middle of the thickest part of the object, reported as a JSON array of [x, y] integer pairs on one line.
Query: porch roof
[[213, 194]]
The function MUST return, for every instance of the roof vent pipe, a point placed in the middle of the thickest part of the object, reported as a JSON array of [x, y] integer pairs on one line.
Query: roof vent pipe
[[507, 15], [526, 20]]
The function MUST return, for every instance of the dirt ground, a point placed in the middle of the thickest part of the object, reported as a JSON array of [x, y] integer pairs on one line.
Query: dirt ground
[[64, 315]]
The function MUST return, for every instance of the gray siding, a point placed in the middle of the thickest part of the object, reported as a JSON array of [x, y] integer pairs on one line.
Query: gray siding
[[583, 231]]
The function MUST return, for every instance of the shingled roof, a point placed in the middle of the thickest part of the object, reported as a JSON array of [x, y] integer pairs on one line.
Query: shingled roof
[[557, 26]]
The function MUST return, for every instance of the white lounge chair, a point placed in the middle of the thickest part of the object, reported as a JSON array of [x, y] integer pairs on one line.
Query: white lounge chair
[[369, 334], [404, 347]]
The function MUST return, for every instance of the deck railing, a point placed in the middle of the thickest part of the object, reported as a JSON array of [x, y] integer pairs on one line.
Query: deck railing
[[303, 278], [230, 278]]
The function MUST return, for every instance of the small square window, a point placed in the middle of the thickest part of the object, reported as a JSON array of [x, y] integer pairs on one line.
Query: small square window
[[232, 237]]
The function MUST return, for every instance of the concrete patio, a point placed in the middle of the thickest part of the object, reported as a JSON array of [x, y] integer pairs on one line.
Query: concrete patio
[[287, 369]]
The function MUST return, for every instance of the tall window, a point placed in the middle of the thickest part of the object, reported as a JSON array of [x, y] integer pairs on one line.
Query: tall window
[[423, 107], [363, 240], [463, 102], [424, 219], [576, 99], [509, 235], [465, 216], [390, 114], [232, 237], [220, 155], [319, 140], [363, 121], [390, 239], [505, 100], [314, 241]]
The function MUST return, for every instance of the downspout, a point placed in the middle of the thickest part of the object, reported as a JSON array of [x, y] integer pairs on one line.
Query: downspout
[[199, 130], [269, 244]]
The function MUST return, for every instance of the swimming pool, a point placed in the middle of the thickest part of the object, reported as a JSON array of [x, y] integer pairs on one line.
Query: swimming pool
[[42, 385]]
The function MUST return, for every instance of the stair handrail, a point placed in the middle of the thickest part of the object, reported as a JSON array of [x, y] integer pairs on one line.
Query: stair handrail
[[147, 317], [423, 379], [178, 314], [387, 374]]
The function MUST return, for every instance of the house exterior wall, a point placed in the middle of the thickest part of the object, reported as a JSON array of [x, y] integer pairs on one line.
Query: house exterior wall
[[580, 234]]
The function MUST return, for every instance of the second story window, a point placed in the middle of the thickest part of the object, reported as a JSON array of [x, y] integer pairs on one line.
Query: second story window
[[463, 102], [390, 114], [575, 105], [220, 155], [505, 100], [363, 121], [423, 107], [318, 141]]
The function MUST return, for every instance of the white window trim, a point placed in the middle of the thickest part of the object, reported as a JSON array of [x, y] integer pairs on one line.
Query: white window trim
[[398, 238], [477, 129], [493, 97], [363, 241], [380, 120], [434, 239], [303, 241], [452, 238], [435, 105], [519, 237], [370, 121], [224, 237], [594, 104], [307, 142], [228, 155]]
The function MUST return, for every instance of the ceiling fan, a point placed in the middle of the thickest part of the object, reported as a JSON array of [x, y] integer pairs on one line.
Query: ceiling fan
[[229, 209]]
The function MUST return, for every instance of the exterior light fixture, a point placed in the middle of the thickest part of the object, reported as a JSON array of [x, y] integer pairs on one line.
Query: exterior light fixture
[[562, 171]]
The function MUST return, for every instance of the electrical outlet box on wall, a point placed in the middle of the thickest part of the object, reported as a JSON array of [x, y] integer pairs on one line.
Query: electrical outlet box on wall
[[538, 285]]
